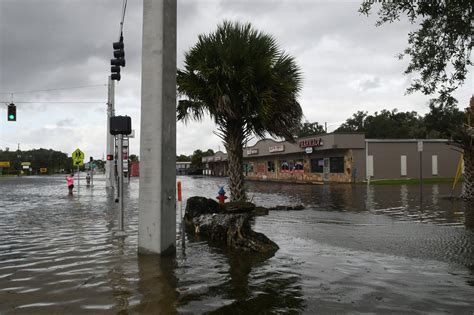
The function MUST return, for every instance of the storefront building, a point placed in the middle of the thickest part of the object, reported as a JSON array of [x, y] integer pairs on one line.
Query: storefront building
[[215, 165], [339, 157]]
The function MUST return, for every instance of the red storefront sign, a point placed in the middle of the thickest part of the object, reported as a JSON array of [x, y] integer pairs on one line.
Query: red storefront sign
[[313, 142]]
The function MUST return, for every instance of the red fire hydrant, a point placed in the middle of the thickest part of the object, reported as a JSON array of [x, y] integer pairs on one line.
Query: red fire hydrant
[[221, 195]]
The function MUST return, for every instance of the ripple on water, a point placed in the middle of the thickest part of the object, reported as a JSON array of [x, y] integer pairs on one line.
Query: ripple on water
[[354, 249]]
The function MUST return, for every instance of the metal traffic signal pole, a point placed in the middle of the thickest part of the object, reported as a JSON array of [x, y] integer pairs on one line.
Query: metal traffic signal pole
[[120, 183], [109, 164]]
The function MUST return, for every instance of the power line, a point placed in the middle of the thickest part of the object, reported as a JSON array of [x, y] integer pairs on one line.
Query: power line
[[56, 89], [56, 102], [124, 8]]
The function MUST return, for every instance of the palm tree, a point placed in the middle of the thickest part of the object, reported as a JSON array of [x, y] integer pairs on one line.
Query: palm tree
[[246, 84]]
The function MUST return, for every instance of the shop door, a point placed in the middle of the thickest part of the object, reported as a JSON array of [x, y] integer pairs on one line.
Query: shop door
[[326, 170]]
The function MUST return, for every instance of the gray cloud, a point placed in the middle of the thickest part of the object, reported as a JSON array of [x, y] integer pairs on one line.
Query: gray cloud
[[348, 63], [370, 84]]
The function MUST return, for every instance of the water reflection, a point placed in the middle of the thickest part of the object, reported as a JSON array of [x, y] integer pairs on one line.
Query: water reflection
[[157, 285], [469, 216], [355, 248], [403, 202]]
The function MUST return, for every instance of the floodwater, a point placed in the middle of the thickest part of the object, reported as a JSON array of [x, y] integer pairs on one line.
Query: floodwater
[[354, 249]]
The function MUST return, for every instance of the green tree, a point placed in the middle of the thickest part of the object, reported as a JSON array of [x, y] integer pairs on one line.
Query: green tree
[[196, 158], [134, 158], [443, 120], [53, 160], [309, 129], [386, 125], [354, 124], [439, 50], [248, 86], [183, 158]]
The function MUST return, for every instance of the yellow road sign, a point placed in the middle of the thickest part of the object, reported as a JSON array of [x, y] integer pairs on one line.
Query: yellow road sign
[[77, 157]]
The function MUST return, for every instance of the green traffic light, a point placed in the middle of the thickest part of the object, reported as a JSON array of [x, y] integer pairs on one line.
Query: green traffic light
[[11, 117]]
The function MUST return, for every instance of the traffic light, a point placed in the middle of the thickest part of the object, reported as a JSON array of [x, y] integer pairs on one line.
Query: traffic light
[[119, 60], [11, 116]]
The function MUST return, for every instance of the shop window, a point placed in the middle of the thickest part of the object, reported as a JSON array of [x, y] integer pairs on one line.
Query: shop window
[[284, 167], [336, 164], [250, 167], [291, 165], [271, 166], [317, 165], [298, 167]]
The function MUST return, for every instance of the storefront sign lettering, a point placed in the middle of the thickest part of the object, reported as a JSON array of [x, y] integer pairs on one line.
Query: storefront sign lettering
[[277, 148], [314, 142], [252, 151]]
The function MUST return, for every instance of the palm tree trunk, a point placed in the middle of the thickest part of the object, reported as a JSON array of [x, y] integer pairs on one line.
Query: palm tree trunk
[[468, 190], [234, 146]]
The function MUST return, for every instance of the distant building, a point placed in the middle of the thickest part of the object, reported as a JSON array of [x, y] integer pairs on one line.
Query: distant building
[[182, 168], [341, 157], [215, 165]]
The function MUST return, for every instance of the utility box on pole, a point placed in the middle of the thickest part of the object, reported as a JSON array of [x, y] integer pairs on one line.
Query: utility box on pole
[[157, 192]]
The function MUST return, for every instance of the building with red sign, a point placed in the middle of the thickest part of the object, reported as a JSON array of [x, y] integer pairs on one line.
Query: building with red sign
[[342, 157]]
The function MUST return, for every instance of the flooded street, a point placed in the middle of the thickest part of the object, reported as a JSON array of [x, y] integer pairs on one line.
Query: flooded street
[[353, 249]]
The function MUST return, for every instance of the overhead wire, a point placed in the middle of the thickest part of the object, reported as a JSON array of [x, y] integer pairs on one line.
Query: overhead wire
[[57, 102], [124, 9], [55, 89]]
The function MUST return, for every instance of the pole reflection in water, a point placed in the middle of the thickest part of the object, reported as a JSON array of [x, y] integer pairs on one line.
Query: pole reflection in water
[[157, 285]]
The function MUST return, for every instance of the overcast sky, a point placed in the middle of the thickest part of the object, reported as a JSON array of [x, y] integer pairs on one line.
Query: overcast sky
[[348, 65]]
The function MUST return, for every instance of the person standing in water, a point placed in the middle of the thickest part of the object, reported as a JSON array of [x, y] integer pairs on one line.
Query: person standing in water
[[70, 183]]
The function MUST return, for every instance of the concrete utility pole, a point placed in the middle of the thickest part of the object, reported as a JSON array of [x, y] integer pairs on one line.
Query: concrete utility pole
[[157, 194], [109, 165]]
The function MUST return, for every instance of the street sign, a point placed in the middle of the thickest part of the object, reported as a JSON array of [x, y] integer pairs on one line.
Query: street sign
[[77, 157], [420, 146]]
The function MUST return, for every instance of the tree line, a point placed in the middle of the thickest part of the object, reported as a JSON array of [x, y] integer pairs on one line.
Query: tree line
[[441, 122], [53, 161], [195, 158]]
